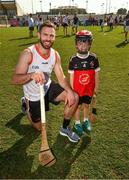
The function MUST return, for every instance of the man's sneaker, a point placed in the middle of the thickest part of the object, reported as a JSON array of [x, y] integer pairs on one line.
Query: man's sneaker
[[86, 126], [73, 137], [23, 105], [78, 129]]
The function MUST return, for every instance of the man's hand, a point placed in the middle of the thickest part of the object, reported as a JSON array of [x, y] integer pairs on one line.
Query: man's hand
[[38, 77], [70, 98]]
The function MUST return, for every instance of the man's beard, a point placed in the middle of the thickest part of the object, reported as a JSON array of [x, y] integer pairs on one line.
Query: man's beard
[[46, 46]]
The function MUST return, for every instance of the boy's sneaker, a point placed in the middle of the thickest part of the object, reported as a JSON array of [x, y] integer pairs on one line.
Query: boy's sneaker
[[73, 137], [23, 105], [86, 126], [78, 129]]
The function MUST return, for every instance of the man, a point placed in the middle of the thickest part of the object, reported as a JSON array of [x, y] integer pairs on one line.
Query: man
[[35, 66], [31, 25], [75, 24], [126, 27], [65, 24]]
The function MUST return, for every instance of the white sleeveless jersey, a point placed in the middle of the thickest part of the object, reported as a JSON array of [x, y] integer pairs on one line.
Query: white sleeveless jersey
[[39, 64]]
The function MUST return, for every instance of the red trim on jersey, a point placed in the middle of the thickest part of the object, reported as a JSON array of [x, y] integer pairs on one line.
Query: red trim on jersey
[[38, 51], [56, 55], [84, 82]]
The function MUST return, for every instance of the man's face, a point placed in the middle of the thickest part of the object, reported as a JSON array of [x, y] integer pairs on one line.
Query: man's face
[[83, 46], [47, 37]]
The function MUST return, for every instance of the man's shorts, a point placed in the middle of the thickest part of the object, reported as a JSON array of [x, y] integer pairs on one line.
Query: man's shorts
[[74, 25], [64, 24], [31, 28], [85, 99], [34, 106], [126, 28]]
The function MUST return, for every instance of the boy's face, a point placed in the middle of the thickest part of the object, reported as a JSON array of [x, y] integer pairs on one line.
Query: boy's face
[[83, 46]]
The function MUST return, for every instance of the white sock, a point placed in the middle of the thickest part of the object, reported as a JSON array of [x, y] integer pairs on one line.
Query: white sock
[[77, 122], [86, 119]]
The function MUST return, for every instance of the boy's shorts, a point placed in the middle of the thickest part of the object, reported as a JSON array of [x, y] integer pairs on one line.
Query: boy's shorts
[[84, 99]]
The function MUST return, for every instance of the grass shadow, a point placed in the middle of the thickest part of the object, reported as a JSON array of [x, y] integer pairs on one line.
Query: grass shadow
[[22, 38], [122, 44], [66, 154], [14, 160], [27, 44]]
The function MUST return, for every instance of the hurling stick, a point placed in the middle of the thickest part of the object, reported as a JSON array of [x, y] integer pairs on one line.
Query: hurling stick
[[46, 156]]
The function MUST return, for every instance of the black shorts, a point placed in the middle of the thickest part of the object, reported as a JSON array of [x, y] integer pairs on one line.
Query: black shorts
[[64, 24], [34, 106], [85, 99], [31, 28]]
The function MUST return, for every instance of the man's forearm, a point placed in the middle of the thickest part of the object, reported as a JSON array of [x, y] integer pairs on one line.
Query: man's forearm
[[21, 78], [65, 84]]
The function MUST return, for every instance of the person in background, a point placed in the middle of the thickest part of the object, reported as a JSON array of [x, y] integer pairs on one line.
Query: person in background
[[65, 24], [40, 22], [84, 78], [126, 27], [31, 25], [75, 24]]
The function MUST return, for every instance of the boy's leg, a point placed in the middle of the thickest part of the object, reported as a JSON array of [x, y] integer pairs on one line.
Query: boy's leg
[[93, 114], [77, 126], [86, 124]]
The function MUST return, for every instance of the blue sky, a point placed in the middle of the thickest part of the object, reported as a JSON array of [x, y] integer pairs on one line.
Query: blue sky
[[97, 6]]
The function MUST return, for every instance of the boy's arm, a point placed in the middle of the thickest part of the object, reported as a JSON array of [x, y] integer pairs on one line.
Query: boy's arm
[[71, 79], [96, 83]]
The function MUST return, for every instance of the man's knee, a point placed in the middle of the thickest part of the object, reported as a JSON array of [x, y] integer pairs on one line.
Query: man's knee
[[36, 123]]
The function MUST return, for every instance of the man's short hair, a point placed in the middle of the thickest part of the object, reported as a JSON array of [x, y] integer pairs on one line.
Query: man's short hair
[[47, 24]]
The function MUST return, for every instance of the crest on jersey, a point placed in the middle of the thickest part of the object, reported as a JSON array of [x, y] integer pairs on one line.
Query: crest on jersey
[[84, 79]]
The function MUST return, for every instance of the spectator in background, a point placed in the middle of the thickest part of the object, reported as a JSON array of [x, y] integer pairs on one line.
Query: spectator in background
[[31, 25], [126, 27], [101, 22], [56, 22], [40, 22], [65, 24], [75, 24], [111, 23]]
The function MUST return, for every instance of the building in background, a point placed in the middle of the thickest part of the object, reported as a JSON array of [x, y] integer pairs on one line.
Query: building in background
[[67, 9], [10, 8]]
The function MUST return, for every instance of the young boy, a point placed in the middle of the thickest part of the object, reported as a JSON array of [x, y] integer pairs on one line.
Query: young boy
[[84, 78]]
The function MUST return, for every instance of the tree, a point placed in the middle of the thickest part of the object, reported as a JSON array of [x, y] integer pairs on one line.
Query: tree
[[121, 11]]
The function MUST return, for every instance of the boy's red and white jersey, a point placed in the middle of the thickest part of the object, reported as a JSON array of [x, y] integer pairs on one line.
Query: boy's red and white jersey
[[39, 63], [84, 70]]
